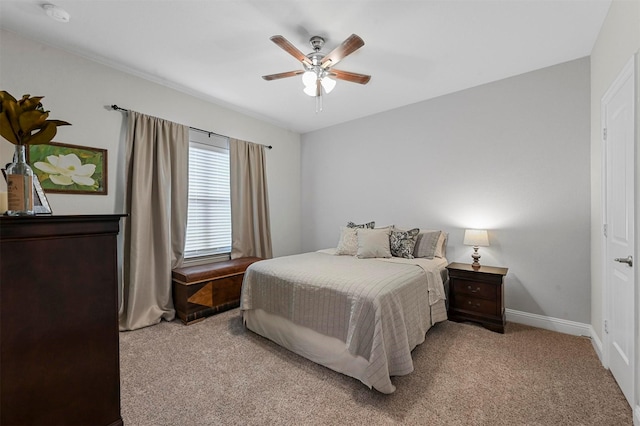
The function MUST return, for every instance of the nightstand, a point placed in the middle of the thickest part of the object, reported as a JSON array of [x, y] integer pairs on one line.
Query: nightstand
[[477, 295]]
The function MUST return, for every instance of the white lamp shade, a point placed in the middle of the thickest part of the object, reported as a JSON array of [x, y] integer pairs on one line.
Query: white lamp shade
[[310, 90], [328, 84], [309, 78], [476, 238]]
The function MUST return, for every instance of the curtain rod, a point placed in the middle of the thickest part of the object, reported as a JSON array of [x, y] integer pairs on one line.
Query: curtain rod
[[117, 108]]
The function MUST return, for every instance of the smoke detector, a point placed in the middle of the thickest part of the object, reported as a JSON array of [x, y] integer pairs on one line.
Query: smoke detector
[[56, 13]]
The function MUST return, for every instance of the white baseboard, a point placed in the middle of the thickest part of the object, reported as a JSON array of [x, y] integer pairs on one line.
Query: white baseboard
[[597, 344], [636, 416], [549, 323], [559, 325]]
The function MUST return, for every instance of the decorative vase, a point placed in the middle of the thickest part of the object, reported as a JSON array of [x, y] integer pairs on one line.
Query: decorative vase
[[20, 185]]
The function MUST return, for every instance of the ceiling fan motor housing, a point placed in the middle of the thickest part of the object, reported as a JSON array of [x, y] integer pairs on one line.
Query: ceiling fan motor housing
[[316, 57], [316, 42]]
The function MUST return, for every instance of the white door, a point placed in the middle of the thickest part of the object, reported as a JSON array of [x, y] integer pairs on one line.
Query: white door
[[618, 134]]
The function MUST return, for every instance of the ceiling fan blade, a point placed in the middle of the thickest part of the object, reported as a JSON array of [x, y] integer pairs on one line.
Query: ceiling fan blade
[[282, 75], [350, 45], [350, 76], [290, 49]]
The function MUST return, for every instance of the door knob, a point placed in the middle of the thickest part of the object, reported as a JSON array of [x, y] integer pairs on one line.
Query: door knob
[[628, 260]]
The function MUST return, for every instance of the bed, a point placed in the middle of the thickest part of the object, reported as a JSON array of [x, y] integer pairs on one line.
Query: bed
[[361, 317]]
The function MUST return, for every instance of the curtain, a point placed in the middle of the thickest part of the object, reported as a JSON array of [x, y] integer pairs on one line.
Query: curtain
[[250, 226], [157, 154]]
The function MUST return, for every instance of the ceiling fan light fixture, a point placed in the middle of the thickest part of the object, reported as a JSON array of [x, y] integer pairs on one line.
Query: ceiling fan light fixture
[[317, 66], [309, 78], [310, 90], [328, 84]]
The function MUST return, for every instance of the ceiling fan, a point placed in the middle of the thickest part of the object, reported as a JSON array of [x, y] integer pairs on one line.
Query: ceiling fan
[[318, 68]]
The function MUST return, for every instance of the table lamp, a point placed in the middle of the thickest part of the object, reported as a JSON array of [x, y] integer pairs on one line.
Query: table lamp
[[476, 238]]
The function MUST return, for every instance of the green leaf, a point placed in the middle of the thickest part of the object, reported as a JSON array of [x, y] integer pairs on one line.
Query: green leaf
[[29, 104], [12, 111], [45, 135], [6, 131], [31, 120], [4, 95], [59, 122]]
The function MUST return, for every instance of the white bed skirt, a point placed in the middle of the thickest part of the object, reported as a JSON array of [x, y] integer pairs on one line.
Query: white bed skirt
[[324, 350]]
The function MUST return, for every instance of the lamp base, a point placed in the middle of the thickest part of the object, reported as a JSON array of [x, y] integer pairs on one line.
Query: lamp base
[[476, 257]]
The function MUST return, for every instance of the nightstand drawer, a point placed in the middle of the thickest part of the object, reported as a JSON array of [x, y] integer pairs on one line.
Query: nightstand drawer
[[475, 289], [472, 304]]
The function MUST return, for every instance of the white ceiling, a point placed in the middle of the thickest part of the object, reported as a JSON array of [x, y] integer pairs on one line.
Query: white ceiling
[[414, 50]]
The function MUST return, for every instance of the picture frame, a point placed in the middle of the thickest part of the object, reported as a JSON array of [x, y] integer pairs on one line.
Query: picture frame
[[40, 202], [54, 164]]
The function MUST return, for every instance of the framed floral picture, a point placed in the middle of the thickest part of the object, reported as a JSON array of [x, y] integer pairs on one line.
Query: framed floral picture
[[69, 169]]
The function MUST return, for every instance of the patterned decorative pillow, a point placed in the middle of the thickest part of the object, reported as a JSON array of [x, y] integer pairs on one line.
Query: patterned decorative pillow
[[403, 242], [348, 244], [368, 225]]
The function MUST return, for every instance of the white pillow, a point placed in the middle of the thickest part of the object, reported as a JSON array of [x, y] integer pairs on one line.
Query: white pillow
[[348, 244], [373, 243], [427, 244], [441, 245]]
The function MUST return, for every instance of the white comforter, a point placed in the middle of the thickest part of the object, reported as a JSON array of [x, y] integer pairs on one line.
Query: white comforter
[[380, 308]]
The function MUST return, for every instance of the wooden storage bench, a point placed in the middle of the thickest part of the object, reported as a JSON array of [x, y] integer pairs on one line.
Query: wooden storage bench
[[203, 290]]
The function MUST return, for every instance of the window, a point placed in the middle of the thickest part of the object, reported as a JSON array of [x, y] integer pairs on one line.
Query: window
[[209, 210]]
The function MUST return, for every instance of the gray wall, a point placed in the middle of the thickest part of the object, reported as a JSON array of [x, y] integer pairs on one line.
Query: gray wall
[[79, 90], [511, 156]]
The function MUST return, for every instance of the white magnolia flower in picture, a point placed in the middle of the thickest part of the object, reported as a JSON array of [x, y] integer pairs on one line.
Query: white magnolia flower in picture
[[67, 169]]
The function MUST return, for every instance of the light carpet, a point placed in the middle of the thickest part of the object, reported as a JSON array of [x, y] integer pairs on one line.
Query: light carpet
[[216, 372]]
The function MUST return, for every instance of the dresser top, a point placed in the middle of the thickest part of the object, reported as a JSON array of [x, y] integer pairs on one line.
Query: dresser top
[[55, 226]]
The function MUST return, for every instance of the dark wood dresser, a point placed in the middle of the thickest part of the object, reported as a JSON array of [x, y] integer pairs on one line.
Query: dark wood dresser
[[200, 291], [477, 295], [59, 350]]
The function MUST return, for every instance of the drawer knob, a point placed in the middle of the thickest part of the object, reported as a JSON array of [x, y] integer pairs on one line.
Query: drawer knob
[[477, 305], [472, 290]]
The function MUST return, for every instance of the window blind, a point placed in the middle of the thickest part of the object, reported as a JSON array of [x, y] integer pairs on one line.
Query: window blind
[[209, 210]]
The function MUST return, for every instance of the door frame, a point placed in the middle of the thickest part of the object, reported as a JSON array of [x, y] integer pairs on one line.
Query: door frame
[[636, 408], [630, 67]]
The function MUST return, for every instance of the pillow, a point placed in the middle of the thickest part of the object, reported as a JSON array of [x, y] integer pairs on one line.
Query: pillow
[[441, 246], [368, 225], [373, 243], [402, 243], [427, 244], [348, 244]]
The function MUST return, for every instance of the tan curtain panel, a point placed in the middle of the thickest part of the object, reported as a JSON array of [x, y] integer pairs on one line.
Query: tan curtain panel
[[250, 225], [154, 233]]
